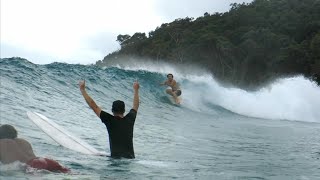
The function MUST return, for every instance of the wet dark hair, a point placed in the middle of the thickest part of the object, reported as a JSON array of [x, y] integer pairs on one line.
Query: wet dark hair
[[8, 132], [170, 75], [118, 107]]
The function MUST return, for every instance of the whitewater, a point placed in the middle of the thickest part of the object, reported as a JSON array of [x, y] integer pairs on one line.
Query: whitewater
[[218, 132]]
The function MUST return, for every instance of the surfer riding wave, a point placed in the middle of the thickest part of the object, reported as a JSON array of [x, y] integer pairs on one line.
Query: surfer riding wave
[[175, 90]]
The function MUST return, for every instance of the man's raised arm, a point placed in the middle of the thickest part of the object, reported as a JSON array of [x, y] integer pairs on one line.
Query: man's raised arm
[[89, 100], [136, 87]]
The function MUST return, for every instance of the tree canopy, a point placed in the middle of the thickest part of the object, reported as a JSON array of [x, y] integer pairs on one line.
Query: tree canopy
[[249, 45]]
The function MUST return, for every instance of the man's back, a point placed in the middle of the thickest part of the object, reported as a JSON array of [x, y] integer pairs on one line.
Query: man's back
[[120, 130], [15, 150], [120, 133]]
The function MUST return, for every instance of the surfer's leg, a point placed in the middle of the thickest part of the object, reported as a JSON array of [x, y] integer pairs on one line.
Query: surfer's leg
[[176, 99], [176, 94], [173, 94], [169, 91]]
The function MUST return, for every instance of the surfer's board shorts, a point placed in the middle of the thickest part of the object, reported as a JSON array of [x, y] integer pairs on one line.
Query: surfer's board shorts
[[47, 164], [178, 92]]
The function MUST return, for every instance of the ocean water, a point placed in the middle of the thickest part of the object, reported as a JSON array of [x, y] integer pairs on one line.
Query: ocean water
[[217, 133]]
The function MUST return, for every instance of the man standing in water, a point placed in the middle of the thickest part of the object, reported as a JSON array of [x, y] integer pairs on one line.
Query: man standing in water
[[16, 149], [120, 127], [175, 90]]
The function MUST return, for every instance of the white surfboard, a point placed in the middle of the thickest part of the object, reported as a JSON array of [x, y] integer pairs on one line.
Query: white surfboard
[[171, 99], [62, 136]]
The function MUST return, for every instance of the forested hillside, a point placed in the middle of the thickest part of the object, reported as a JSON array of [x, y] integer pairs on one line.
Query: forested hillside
[[249, 45]]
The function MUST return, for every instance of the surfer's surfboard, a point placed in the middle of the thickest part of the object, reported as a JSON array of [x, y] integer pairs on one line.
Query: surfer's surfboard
[[62, 136], [171, 99]]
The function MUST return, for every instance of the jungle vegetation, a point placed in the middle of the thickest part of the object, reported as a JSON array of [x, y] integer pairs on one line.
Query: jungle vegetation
[[251, 44]]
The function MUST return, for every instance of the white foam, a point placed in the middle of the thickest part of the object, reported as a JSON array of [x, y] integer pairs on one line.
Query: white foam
[[15, 166], [294, 98]]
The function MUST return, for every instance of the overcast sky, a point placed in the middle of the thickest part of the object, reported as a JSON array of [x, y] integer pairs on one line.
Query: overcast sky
[[84, 31]]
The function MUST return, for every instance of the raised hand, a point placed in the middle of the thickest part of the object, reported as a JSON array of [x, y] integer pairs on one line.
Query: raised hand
[[82, 85], [136, 85]]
